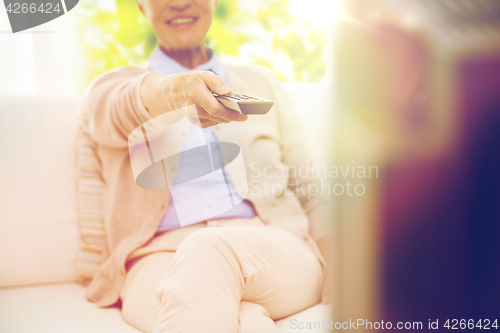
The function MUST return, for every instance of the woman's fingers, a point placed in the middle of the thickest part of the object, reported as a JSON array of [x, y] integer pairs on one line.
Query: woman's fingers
[[214, 83], [210, 104], [202, 122], [207, 123], [195, 89], [204, 115], [215, 109], [199, 117]]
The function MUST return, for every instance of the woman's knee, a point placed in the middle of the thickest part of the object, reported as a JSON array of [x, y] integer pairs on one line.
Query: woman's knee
[[205, 252], [202, 241], [202, 260]]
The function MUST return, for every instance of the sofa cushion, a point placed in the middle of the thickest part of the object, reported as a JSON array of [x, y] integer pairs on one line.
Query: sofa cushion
[[62, 308], [58, 308], [39, 237]]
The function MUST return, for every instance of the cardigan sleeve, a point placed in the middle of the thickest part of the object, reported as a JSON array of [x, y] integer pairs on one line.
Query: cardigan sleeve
[[114, 107], [295, 155]]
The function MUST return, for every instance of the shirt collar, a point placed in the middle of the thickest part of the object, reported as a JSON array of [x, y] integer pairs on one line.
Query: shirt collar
[[162, 63]]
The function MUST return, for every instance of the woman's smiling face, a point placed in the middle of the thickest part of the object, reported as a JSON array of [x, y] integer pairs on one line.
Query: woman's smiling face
[[179, 24]]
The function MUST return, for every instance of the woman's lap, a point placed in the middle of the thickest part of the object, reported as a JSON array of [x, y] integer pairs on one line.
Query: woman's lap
[[219, 267]]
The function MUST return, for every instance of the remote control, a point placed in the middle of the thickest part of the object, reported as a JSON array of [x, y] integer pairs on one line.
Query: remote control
[[245, 104]]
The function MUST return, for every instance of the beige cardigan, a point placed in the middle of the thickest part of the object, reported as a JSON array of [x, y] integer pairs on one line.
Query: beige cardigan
[[131, 214]]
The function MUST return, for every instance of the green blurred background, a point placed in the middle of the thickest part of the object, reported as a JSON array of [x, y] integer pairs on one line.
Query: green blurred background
[[271, 33]]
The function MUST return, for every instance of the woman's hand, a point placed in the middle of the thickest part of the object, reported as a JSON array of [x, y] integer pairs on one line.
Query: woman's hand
[[161, 94]]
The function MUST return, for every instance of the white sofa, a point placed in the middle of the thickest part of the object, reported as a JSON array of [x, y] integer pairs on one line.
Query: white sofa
[[38, 238]]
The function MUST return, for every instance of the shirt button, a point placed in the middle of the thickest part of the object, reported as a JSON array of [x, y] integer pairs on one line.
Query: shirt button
[[209, 206]]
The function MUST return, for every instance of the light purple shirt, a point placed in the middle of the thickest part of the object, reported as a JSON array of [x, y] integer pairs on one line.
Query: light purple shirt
[[161, 63]]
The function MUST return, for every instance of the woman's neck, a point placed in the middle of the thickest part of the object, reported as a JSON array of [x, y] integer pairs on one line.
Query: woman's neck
[[189, 58]]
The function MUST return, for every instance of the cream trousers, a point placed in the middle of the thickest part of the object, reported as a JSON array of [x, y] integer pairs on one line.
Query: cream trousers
[[223, 279]]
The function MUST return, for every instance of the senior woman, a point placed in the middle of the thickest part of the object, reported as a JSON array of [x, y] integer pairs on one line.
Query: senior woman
[[266, 258]]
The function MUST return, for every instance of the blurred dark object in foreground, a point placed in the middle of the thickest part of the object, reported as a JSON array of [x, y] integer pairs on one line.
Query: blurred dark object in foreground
[[419, 88]]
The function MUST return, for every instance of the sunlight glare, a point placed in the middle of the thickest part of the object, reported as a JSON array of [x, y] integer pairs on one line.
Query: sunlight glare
[[320, 13]]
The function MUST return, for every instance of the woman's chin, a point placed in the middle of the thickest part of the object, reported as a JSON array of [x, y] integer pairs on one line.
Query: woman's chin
[[181, 44]]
